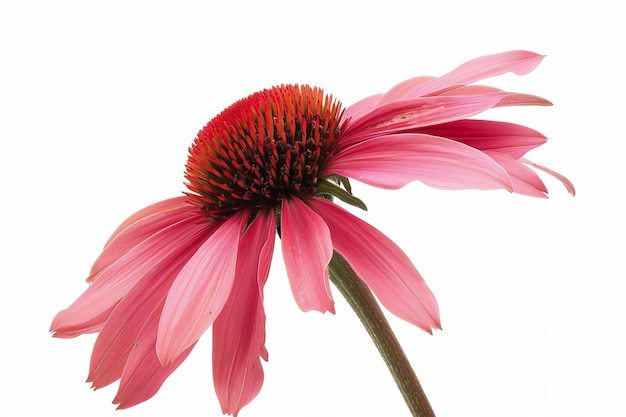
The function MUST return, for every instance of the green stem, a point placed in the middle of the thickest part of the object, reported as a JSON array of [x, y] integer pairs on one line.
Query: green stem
[[367, 309]]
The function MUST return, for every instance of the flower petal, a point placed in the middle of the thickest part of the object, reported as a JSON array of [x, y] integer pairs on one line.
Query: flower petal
[[89, 325], [509, 99], [512, 139], [138, 227], [518, 62], [200, 290], [157, 208], [520, 99], [307, 249], [361, 107], [118, 336], [143, 374], [239, 330], [401, 90], [395, 160], [401, 116], [381, 264], [90, 310], [567, 183], [524, 179]]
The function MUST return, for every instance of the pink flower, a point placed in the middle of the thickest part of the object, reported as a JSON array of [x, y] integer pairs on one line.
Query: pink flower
[[273, 161]]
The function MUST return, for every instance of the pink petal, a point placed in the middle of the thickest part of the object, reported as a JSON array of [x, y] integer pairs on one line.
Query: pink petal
[[518, 62], [401, 116], [239, 330], [200, 290], [91, 325], [567, 183], [381, 264], [509, 138], [160, 207], [361, 107], [117, 338], [401, 90], [114, 282], [520, 99], [140, 226], [395, 160], [307, 249], [143, 374], [510, 99], [524, 179]]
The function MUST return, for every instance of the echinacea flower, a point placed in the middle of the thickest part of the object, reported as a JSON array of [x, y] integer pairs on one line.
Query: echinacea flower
[[273, 162]]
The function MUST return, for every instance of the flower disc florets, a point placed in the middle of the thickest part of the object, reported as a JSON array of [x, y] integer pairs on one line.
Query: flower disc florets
[[269, 145]]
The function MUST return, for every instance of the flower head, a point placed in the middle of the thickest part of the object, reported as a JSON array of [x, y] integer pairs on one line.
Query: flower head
[[262, 149], [272, 162]]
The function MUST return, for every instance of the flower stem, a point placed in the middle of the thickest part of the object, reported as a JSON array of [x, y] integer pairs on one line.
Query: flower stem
[[367, 309]]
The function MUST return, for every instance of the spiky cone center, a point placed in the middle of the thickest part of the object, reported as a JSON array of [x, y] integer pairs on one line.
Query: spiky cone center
[[263, 148]]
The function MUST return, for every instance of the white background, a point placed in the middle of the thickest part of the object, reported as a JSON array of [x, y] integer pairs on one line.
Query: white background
[[100, 100]]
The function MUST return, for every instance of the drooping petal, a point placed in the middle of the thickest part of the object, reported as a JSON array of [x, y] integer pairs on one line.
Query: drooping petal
[[307, 249], [518, 62], [381, 264], [512, 139], [89, 325], [117, 279], [118, 336], [400, 116], [200, 290], [567, 183], [395, 160], [143, 373], [524, 180], [138, 227], [239, 330]]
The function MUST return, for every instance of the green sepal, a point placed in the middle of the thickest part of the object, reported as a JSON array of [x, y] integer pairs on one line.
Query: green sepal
[[340, 180], [328, 188]]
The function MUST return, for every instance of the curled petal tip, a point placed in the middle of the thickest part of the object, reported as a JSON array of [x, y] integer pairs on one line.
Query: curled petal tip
[[564, 180]]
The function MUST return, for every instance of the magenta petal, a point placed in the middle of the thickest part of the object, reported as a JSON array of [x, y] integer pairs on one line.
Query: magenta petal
[[200, 290], [307, 249], [117, 338], [395, 160], [113, 282], [66, 330], [512, 139], [518, 62], [239, 330], [382, 265], [143, 373]]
